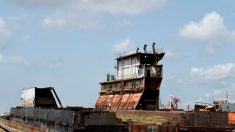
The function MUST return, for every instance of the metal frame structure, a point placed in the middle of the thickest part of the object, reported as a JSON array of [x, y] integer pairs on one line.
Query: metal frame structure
[[137, 83]]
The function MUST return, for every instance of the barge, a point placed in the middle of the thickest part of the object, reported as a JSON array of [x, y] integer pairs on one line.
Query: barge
[[128, 102]]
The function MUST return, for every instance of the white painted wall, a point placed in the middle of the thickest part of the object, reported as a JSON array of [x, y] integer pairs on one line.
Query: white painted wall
[[27, 97]]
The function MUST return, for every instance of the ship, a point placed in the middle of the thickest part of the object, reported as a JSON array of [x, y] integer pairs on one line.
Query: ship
[[127, 102], [135, 91], [137, 83]]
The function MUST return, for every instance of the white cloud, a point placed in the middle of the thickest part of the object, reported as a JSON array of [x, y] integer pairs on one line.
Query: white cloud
[[210, 29], [220, 93], [124, 23], [122, 46], [53, 22], [210, 83], [182, 81], [4, 33], [2, 59], [171, 54], [214, 94], [85, 13], [38, 2], [216, 72], [16, 60], [62, 19], [126, 7]]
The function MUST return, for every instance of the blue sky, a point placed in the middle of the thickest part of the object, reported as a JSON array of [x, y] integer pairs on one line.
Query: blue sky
[[71, 45]]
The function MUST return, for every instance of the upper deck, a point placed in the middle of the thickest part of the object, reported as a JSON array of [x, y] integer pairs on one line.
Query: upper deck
[[138, 64]]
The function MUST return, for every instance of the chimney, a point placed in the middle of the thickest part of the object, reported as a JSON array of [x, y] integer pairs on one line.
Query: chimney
[[154, 50], [145, 46], [137, 50]]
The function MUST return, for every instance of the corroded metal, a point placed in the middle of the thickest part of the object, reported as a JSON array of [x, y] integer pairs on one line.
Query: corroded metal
[[68, 119], [34, 118], [231, 118], [126, 101], [136, 85], [40, 97]]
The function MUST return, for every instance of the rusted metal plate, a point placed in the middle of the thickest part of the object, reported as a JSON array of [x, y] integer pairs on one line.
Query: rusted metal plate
[[123, 101], [231, 118], [115, 101], [153, 83], [100, 104], [126, 101], [49, 115], [109, 98], [134, 101], [206, 119]]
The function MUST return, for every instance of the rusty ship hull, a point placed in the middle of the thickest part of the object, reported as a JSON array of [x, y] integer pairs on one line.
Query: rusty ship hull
[[128, 102], [61, 120], [174, 121]]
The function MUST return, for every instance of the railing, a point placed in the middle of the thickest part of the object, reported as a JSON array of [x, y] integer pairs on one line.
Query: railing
[[202, 103], [124, 54], [158, 50]]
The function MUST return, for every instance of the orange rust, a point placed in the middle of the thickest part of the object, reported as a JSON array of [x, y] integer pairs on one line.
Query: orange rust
[[231, 118], [12, 125], [127, 101]]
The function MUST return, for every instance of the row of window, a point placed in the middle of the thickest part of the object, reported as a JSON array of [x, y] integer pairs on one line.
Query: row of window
[[118, 86], [127, 61]]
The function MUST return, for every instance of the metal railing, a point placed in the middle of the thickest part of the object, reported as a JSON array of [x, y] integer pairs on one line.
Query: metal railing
[[158, 50]]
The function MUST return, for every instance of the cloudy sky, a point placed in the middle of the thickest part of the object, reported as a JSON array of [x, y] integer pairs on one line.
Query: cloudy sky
[[71, 45]]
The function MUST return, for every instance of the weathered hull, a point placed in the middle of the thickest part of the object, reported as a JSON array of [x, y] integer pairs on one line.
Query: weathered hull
[[61, 120], [174, 121], [15, 126]]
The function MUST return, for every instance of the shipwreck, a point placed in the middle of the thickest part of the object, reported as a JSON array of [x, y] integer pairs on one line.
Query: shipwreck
[[137, 83]]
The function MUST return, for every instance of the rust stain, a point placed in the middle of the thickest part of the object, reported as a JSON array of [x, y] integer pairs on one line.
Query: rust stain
[[231, 118], [123, 101], [136, 99], [126, 101], [115, 102]]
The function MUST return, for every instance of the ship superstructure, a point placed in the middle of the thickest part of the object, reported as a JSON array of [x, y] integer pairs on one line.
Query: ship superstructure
[[137, 83]]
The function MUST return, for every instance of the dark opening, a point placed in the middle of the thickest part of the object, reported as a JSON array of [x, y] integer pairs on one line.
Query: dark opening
[[148, 73], [44, 98], [149, 100]]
